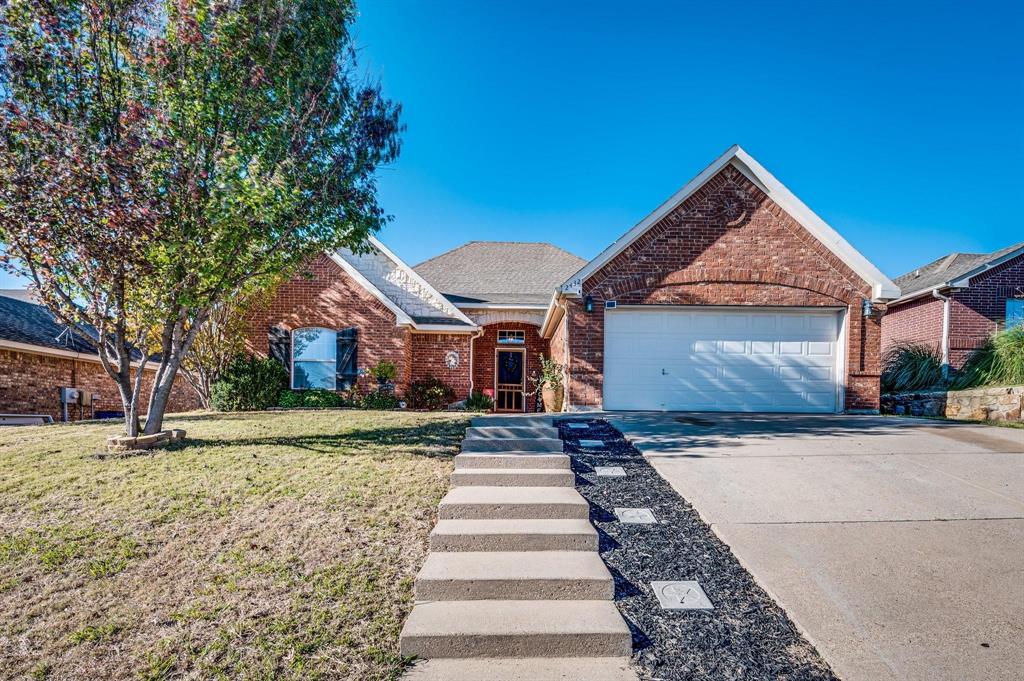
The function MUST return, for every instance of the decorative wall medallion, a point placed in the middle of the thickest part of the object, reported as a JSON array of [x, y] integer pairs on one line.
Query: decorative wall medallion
[[451, 359]]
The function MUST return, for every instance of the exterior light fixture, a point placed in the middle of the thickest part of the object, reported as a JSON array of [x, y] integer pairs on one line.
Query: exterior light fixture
[[866, 307], [588, 304]]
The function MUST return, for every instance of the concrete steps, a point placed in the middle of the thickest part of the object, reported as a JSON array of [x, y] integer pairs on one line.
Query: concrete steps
[[496, 503], [518, 421], [513, 444], [513, 535], [513, 588], [508, 575], [512, 460], [506, 432], [513, 477], [460, 629], [529, 669]]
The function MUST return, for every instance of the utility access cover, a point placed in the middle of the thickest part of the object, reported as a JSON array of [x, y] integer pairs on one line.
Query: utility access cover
[[610, 471], [591, 444], [681, 596], [636, 516]]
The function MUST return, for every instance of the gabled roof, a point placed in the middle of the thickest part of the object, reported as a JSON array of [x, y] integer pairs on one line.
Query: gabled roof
[[882, 287], [414, 301], [489, 273], [33, 324], [953, 270]]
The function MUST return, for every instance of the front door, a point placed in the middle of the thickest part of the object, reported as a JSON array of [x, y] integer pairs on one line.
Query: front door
[[510, 380]]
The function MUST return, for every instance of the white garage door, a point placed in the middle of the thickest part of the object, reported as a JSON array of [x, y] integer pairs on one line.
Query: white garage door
[[721, 359]]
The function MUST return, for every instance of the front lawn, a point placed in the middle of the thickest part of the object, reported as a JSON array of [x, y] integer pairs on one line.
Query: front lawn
[[269, 545]]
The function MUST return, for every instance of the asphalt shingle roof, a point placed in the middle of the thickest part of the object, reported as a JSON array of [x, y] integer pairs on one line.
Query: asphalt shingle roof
[[946, 269], [24, 322], [509, 272]]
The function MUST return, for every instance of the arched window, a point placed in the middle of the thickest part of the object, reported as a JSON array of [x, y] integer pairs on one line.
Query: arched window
[[314, 359]]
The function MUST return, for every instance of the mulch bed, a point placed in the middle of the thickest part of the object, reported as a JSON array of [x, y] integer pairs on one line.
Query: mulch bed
[[746, 636]]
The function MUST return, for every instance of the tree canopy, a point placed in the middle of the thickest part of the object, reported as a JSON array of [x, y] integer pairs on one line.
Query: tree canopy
[[160, 157]]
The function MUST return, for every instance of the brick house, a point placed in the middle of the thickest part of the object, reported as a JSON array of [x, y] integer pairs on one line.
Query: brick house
[[346, 312], [39, 356], [732, 295], [955, 303]]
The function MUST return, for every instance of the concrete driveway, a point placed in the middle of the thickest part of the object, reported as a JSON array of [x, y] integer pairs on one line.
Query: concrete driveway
[[896, 545]]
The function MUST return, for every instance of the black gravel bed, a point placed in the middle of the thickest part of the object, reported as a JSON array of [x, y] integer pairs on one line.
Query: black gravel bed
[[746, 636]]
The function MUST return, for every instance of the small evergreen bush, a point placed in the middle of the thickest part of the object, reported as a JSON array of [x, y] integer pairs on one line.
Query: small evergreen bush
[[249, 384], [430, 393], [321, 399], [477, 401], [379, 400], [290, 399]]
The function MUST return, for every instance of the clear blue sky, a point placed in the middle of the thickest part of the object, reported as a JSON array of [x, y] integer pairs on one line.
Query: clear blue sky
[[899, 123]]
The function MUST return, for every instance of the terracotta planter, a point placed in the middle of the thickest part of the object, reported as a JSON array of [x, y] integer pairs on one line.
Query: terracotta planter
[[552, 398]]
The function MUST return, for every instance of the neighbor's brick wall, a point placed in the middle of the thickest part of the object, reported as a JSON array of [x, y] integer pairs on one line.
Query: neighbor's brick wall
[[979, 311], [29, 384], [728, 244], [331, 299], [917, 321], [485, 346], [428, 352]]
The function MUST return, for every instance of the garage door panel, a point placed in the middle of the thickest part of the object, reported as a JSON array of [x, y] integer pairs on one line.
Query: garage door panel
[[755, 360]]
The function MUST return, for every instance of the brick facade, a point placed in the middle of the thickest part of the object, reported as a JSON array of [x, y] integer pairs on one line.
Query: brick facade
[[979, 311], [326, 296], [918, 321], [975, 313], [329, 298], [29, 384], [428, 352], [727, 244], [484, 353]]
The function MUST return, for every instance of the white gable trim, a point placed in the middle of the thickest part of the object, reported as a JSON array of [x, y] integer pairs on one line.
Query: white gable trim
[[881, 286], [421, 281], [401, 318]]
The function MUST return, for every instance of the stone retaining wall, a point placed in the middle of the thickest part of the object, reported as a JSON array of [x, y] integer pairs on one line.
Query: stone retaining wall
[[981, 404]]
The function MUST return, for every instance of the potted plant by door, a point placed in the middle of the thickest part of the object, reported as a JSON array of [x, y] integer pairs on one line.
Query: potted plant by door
[[550, 381], [385, 372]]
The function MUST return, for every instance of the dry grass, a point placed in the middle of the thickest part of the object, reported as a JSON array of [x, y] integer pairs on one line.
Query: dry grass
[[270, 545]]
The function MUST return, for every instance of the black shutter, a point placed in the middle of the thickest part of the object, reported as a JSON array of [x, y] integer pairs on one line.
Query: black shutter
[[348, 345], [280, 344]]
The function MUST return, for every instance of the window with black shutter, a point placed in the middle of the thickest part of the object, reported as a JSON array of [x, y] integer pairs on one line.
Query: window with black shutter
[[347, 369], [279, 342]]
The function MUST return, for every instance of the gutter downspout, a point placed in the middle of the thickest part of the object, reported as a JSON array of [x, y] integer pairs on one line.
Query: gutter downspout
[[946, 300], [472, 340]]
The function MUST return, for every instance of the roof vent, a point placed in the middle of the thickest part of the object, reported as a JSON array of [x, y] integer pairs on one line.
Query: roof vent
[[917, 273]]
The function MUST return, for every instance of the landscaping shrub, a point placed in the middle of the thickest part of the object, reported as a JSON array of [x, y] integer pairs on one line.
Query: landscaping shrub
[[249, 384], [378, 399], [312, 399], [430, 393], [908, 367], [1000, 361], [477, 401], [290, 399], [384, 371]]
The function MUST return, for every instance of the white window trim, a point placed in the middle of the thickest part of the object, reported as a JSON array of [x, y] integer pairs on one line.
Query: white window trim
[[520, 338], [334, 374]]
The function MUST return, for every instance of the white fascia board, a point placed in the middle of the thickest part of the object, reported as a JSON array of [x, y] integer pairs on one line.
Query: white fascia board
[[965, 280], [28, 348], [501, 306], [418, 279], [552, 316], [444, 328], [882, 287], [401, 318]]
